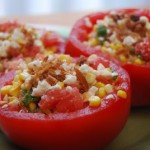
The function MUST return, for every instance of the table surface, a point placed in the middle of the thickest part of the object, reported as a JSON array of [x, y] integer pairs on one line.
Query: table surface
[[135, 135]]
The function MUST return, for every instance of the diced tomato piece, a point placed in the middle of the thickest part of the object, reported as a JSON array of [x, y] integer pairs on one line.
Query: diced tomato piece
[[143, 48], [62, 100]]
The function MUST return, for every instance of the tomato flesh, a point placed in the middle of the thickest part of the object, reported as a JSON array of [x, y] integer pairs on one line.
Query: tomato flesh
[[62, 100]]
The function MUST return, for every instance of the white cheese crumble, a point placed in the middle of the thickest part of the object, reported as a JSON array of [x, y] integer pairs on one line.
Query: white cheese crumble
[[4, 45], [41, 88], [143, 19], [85, 68], [35, 64], [69, 88], [92, 91], [70, 79], [129, 40]]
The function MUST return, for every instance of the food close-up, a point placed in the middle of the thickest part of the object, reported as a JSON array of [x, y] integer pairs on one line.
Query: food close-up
[[83, 96], [120, 35], [75, 81]]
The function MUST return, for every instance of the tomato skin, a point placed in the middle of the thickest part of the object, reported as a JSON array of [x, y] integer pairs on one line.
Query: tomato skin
[[87, 128], [140, 82], [75, 47]]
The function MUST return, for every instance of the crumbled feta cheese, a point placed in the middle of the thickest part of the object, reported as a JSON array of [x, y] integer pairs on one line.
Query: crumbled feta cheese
[[26, 83], [129, 40], [109, 88], [50, 57], [41, 88], [143, 19], [92, 57], [113, 38], [88, 22], [108, 21], [104, 73], [67, 66], [100, 22], [22, 65], [17, 34], [38, 43], [14, 44], [4, 35], [4, 46], [35, 64], [85, 68], [57, 72], [25, 74], [69, 88], [92, 91], [70, 79], [100, 67]]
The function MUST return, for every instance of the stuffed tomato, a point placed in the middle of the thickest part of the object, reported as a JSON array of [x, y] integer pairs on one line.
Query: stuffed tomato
[[123, 35], [22, 42], [62, 103]]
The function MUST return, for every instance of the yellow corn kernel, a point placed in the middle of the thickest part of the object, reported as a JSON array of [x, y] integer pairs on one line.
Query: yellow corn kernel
[[86, 96], [21, 41], [11, 98], [48, 52], [5, 89], [93, 42], [102, 92], [28, 60], [15, 90], [138, 61], [65, 58], [32, 106], [61, 84], [90, 78], [122, 94], [14, 102], [16, 78], [94, 101], [116, 46], [99, 84], [122, 58], [108, 88], [104, 50]]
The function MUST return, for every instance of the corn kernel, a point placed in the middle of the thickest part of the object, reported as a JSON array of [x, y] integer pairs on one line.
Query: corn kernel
[[11, 98], [104, 50], [138, 61], [65, 58], [122, 94], [102, 92], [32, 106], [122, 58], [99, 84], [5, 89], [108, 88], [20, 41], [90, 78], [14, 102], [61, 84], [93, 42], [94, 101], [86, 96], [15, 90], [48, 52]]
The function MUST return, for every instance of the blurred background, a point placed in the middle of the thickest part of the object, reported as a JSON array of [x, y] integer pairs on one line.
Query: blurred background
[[36, 7]]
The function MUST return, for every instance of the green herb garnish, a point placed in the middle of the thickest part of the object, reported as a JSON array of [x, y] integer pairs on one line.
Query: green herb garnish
[[28, 98], [102, 31]]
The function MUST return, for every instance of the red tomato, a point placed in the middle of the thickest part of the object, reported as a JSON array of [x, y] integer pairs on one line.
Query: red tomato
[[87, 128], [63, 100], [75, 47], [52, 39]]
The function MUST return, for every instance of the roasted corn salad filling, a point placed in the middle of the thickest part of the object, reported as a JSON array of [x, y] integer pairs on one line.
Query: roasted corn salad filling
[[20, 40], [58, 83], [124, 36]]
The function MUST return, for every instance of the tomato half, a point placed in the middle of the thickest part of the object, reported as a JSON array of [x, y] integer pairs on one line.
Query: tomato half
[[87, 128], [139, 73]]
